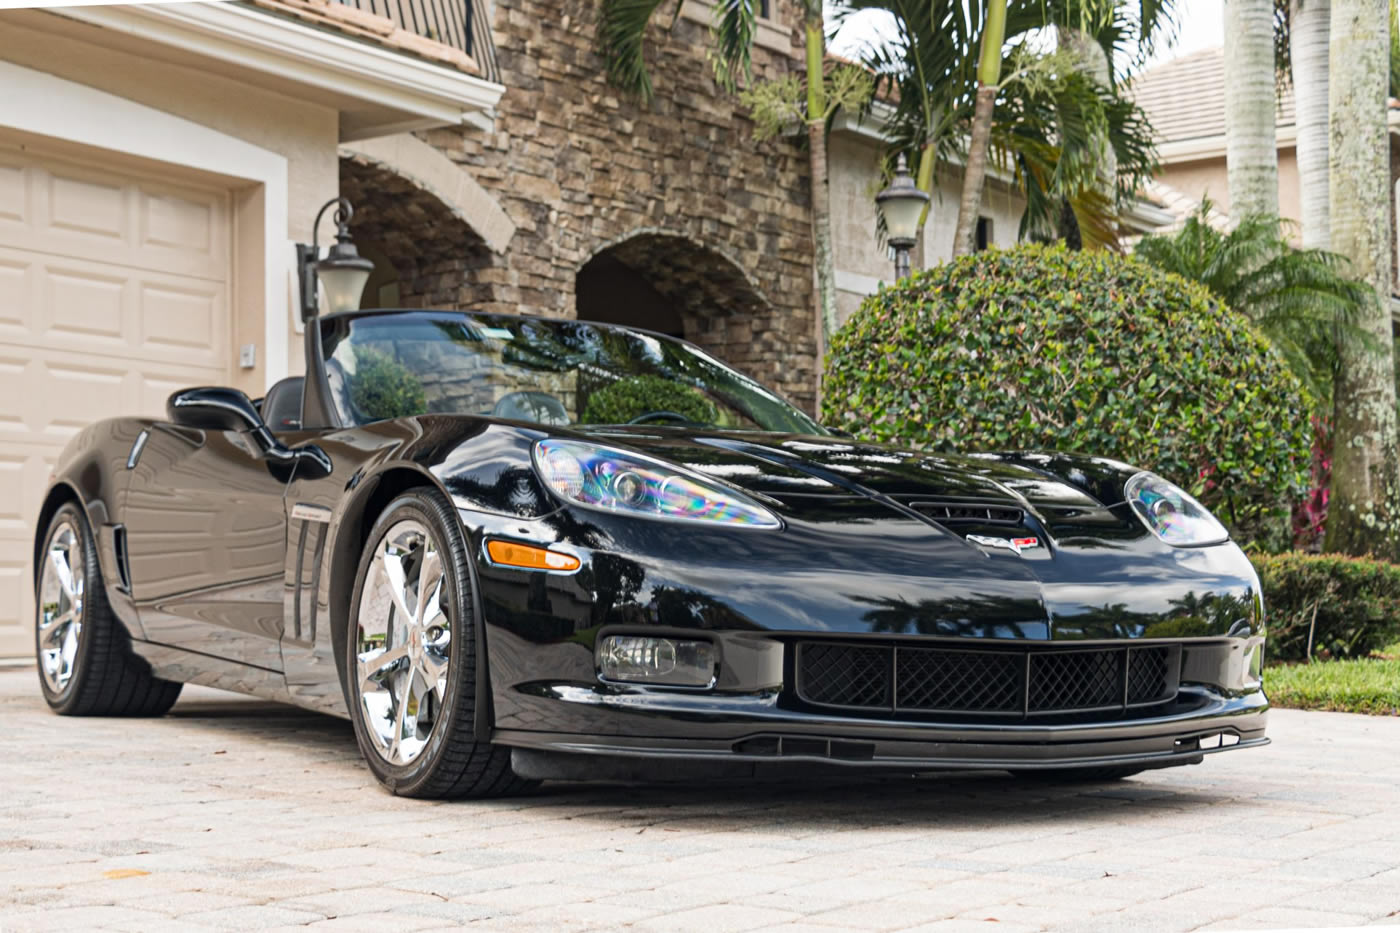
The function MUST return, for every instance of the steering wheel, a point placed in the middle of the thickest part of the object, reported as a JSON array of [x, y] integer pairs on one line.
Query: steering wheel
[[647, 417]]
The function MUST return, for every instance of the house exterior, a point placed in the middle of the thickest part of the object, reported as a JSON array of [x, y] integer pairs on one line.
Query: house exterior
[[158, 164], [1185, 102]]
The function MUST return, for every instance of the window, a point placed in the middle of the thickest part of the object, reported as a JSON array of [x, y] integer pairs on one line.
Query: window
[[984, 233], [382, 366]]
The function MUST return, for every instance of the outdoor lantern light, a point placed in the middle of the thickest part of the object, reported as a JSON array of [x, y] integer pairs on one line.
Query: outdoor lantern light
[[902, 205], [342, 273]]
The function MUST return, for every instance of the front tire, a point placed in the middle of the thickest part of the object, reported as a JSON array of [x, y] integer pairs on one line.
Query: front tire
[[410, 657], [86, 667]]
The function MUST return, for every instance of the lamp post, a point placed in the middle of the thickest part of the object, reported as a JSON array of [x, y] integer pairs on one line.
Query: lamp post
[[902, 204], [342, 273]]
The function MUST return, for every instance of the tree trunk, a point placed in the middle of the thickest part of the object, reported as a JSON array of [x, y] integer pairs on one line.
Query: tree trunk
[[1308, 32], [824, 262], [1092, 60], [1361, 515], [821, 230], [975, 172], [1251, 147]]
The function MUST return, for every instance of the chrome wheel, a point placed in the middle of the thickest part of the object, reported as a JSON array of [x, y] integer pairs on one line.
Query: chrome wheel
[[403, 642], [60, 606]]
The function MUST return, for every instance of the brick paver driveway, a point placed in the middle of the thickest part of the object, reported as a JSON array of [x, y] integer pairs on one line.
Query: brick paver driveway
[[235, 814]]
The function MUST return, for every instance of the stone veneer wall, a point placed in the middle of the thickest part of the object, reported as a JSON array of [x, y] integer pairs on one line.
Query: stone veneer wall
[[580, 167]]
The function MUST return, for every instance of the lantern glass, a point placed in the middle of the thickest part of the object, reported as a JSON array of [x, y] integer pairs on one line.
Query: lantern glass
[[902, 217], [343, 281]]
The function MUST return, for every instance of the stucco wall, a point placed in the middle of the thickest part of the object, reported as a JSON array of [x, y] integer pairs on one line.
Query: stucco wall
[[1208, 177], [305, 134]]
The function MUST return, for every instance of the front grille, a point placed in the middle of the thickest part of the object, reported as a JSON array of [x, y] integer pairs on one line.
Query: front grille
[[990, 513], [850, 675], [1069, 680], [1042, 681], [932, 679]]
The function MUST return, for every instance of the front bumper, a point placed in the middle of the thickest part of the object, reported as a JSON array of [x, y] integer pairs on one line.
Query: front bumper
[[1214, 722]]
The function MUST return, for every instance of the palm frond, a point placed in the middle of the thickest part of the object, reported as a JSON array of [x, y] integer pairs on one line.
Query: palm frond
[[621, 33], [733, 31], [1303, 300]]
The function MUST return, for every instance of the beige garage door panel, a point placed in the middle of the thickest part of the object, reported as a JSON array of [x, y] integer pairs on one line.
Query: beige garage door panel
[[114, 292], [46, 396], [92, 212], [111, 310]]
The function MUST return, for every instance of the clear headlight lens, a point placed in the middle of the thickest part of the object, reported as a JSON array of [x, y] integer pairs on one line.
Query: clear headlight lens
[[1171, 513], [604, 478]]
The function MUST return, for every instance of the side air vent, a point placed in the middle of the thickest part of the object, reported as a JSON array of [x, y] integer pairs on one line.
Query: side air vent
[[123, 559], [969, 513]]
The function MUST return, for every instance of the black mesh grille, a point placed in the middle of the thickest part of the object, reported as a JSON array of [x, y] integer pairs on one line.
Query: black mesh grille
[[969, 512], [845, 675], [933, 679], [1149, 675], [1041, 681], [1066, 680]]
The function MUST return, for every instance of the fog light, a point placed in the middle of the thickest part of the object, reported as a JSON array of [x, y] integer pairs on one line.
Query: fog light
[[672, 661]]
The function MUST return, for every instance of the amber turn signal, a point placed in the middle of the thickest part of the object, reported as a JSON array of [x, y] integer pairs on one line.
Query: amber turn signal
[[529, 557]]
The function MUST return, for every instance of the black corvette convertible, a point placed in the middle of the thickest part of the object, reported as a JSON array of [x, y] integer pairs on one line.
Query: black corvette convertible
[[513, 549]]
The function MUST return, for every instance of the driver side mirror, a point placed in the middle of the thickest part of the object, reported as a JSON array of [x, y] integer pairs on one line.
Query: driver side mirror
[[213, 408], [218, 408]]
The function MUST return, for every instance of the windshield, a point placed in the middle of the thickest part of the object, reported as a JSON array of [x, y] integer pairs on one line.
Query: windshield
[[547, 372]]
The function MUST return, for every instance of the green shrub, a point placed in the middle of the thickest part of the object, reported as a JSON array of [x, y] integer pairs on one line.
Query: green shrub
[[1043, 348], [633, 397], [385, 388], [1351, 605]]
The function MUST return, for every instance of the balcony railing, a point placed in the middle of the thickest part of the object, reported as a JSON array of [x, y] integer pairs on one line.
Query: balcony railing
[[461, 24]]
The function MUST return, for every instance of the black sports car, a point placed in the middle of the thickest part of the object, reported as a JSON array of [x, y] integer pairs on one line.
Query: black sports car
[[513, 549]]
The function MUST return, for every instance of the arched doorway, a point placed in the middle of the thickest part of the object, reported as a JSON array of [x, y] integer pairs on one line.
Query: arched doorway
[[668, 282], [611, 291], [424, 252]]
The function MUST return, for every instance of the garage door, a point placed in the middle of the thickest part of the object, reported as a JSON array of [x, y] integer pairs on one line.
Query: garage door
[[114, 291]]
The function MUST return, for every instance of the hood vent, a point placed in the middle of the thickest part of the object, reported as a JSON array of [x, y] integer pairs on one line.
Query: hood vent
[[969, 513]]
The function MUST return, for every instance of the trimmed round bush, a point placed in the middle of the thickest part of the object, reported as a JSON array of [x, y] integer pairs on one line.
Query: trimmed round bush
[[385, 388], [1043, 348], [635, 396]]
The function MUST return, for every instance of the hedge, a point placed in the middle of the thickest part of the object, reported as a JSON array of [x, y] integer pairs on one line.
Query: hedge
[[1039, 347], [385, 388], [1351, 605], [635, 396]]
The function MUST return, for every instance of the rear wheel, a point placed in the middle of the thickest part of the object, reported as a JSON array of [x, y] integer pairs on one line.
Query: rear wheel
[[411, 658], [86, 667]]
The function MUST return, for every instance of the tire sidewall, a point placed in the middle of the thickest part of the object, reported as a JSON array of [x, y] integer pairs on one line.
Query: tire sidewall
[[66, 699], [451, 545]]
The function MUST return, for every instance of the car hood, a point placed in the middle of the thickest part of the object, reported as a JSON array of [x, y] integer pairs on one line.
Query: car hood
[[1056, 490], [1094, 570]]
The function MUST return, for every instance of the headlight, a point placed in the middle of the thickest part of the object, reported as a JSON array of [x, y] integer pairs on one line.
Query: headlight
[[604, 478], [1171, 513]]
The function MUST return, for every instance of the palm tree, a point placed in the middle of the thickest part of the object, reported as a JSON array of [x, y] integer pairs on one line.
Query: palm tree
[[1051, 116], [623, 27], [1303, 300], [975, 169], [1308, 23], [1250, 107], [1365, 463]]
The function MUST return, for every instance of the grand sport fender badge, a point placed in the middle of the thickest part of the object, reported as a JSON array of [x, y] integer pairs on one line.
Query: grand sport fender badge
[[306, 512], [1006, 544]]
